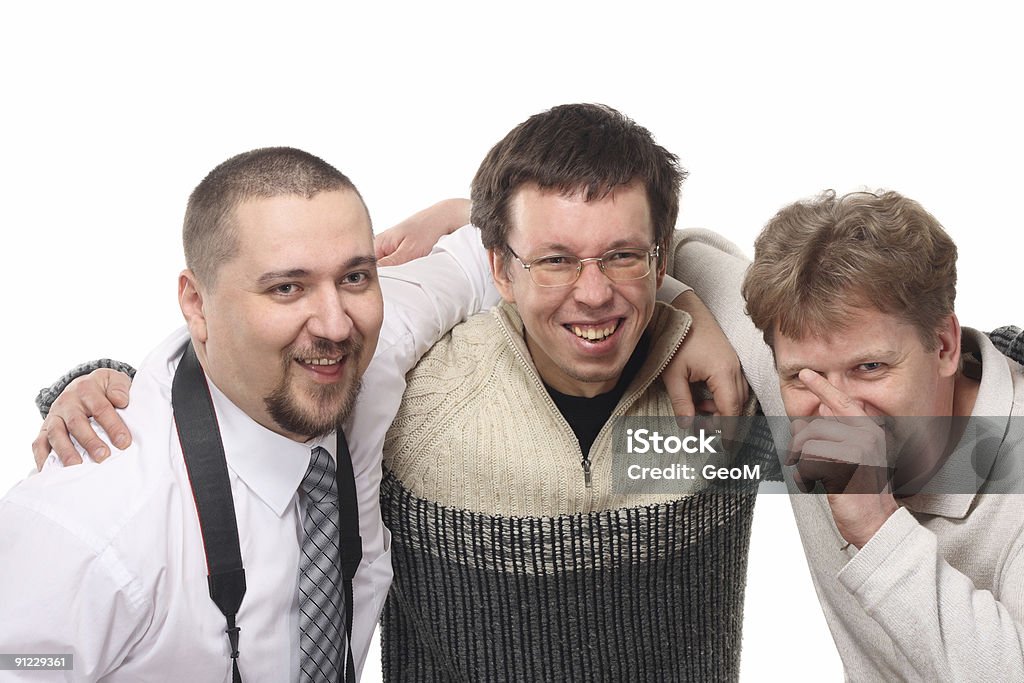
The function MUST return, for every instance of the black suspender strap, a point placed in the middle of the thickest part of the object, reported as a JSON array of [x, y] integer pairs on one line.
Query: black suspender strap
[[350, 543], [208, 474], [203, 449]]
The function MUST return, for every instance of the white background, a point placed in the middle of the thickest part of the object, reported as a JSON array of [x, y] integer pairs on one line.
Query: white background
[[112, 113]]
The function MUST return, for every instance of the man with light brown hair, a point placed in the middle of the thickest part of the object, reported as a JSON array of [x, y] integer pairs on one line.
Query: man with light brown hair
[[916, 546], [861, 249]]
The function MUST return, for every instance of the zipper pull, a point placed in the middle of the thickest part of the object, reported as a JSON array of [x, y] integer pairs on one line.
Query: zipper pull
[[586, 472]]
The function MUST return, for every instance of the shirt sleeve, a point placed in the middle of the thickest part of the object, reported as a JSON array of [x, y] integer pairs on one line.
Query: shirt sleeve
[[47, 395], [670, 289], [946, 627], [60, 597], [715, 268], [1010, 342], [423, 299]]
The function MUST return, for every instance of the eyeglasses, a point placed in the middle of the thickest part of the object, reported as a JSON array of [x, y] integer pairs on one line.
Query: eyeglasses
[[620, 265]]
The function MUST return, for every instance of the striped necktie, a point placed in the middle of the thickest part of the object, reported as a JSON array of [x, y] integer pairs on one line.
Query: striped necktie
[[321, 631]]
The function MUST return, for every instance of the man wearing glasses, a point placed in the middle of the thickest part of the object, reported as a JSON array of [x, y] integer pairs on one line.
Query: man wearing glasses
[[515, 556]]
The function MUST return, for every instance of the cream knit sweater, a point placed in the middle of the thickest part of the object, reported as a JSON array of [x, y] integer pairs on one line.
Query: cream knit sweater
[[477, 391]]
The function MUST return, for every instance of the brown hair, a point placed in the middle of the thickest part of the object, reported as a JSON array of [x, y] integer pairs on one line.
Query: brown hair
[[816, 259], [588, 148], [209, 234]]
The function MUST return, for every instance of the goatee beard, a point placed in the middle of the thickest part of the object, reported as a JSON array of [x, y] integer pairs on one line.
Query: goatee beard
[[314, 422]]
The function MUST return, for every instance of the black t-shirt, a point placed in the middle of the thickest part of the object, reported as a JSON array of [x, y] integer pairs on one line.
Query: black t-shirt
[[586, 416]]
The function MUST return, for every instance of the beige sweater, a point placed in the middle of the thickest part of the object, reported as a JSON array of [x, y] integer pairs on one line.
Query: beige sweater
[[509, 567], [526, 461], [938, 592]]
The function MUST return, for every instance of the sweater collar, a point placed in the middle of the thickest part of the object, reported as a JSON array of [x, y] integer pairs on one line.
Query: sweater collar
[[666, 329], [970, 462]]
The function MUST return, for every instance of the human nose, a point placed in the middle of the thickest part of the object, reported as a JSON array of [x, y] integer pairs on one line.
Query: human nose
[[593, 287], [329, 318]]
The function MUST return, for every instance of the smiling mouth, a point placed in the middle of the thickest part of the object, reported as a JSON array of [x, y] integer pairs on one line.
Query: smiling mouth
[[320, 361], [595, 333]]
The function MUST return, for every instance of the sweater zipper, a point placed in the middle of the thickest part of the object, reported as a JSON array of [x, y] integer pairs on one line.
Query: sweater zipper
[[584, 460], [619, 410], [625, 404]]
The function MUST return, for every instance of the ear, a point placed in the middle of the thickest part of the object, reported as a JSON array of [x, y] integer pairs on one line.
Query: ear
[[190, 298], [662, 266], [499, 271], [949, 346]]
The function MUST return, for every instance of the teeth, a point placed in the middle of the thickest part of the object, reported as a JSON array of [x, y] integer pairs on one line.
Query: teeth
[[320, 361], [593, 333]]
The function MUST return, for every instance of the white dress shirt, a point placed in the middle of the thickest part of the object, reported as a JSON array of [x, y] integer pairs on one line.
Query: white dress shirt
[[107, 562]]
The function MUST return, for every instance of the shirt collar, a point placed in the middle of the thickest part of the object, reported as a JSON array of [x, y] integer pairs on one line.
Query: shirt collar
[[271, 465]]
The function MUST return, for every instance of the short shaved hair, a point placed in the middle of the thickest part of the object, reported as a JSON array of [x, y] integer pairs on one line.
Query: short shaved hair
[[209, 233]]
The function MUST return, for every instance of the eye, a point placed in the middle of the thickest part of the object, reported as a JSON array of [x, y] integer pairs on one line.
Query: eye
[[870, 367], [288, 289], [553, 261], [360, 277], [622, 257], [793, 380]]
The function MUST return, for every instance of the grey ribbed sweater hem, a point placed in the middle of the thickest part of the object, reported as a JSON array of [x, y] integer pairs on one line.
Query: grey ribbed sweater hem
[[633, 594]]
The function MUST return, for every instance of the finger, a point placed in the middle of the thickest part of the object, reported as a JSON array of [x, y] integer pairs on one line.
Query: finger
[[394, 256], [383, 245], [117, 389], [110, 420], [680, 395], [56, 434], [409, 250], [798, 425], [728, 398], [834, 476], [855, 439], [823, 429], [838, 402], [831, 451], [844, 477], [793, 454], [81, 428], [744, 386], [102, 409], [40, 449]]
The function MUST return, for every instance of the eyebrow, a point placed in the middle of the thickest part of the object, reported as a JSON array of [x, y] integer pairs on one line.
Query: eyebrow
[[298, 273], [789, 370], [559, 248]]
